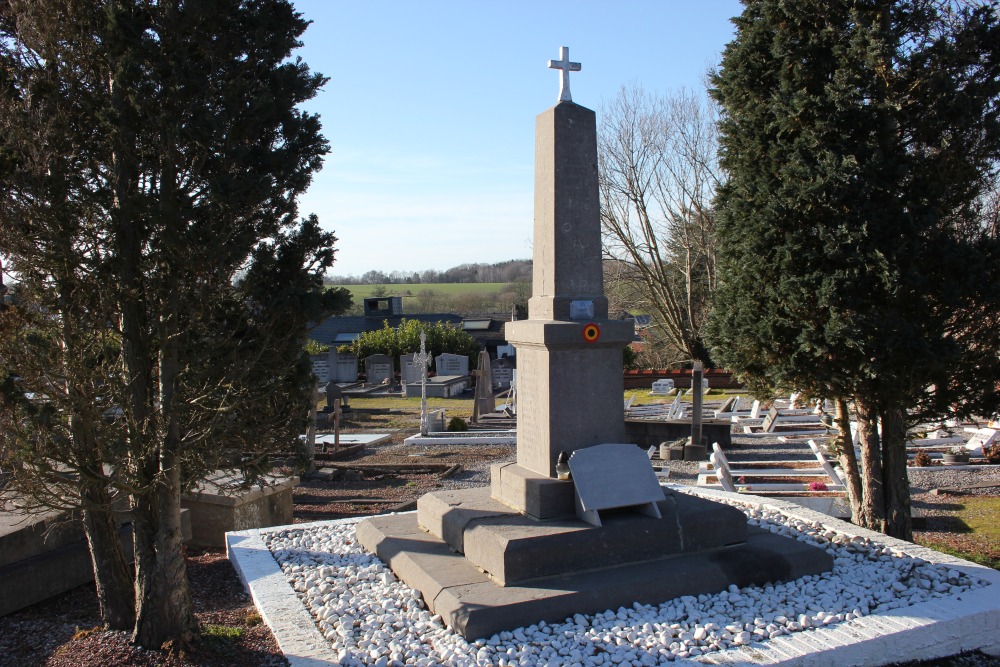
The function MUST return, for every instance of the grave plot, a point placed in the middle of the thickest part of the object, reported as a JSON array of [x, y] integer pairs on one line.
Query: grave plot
[[388, 478]]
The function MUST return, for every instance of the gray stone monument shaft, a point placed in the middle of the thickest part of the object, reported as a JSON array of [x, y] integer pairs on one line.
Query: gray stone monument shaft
[[569, 354], [567, 234]]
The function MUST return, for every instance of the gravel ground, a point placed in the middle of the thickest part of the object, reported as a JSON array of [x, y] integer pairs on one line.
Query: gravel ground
[[64, 632]]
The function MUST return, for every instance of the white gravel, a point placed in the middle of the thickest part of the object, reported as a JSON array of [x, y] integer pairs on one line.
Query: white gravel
[[370, 618]]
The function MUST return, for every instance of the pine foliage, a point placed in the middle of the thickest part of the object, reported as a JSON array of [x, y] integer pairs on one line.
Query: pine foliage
[[862, 142]]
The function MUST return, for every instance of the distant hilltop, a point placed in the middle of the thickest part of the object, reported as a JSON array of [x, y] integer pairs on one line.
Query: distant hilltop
[[510, 271]]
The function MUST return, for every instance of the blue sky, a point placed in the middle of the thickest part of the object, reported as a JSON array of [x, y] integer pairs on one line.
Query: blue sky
[[431, 105]]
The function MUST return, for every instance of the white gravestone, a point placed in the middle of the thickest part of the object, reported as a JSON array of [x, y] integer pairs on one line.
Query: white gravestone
[[452, 364], [612, 476], [503, 375]]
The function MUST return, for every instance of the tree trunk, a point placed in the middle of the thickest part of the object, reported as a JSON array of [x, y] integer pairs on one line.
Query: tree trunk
[[165, 617], [872, 496], [115, 591], [849, 461], [895, 476]]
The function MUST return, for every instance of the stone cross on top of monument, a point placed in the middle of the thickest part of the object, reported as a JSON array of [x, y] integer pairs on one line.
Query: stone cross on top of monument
[[565, 67]]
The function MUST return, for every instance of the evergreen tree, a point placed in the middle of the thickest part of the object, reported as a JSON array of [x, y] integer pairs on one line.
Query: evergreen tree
[[152, 154], [859, 137], [405, 339]]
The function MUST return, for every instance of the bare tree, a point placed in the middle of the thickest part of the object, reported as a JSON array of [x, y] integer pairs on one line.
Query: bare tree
[[658, 169]]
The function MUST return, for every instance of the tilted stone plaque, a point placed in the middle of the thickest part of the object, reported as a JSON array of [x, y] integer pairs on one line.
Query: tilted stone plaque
[[612, 476]]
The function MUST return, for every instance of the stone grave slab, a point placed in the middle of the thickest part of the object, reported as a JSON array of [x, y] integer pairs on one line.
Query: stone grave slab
[[220, 503], [45, 554], [611, 476], [440, 386]]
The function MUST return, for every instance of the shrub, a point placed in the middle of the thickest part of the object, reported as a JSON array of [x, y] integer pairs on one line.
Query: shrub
[[922, 460], [457, 424]]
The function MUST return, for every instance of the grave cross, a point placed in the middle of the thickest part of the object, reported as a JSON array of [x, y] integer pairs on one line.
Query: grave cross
[[424, 360], [565, 67]]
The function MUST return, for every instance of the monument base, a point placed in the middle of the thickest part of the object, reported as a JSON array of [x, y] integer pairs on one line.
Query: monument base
[[513, 548], [474, 605]]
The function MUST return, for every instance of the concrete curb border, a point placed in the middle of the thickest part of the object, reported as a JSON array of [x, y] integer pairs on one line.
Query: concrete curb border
[[928, 630]]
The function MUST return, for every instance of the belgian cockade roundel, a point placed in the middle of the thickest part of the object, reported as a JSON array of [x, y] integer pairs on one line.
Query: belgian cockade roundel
[[591, 332]]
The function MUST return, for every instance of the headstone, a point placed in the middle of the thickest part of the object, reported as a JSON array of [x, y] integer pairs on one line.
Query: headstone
[[980, 441], [378, 369], [722, 473], [484, 402], [320, 368], [334, 395], [343, 367], [704, 386], [611, 476], [452, 364], [729, 405], [409, 369], [503, 373], [769, 420], [662, 387]]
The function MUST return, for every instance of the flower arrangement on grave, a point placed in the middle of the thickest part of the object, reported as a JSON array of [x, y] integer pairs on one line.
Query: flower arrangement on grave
[[992, 453], [817, 486]]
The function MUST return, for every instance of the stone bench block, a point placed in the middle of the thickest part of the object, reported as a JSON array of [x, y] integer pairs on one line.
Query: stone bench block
[[220, 504]]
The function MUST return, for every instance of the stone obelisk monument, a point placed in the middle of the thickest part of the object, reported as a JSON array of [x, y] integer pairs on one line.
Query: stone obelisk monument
[[569, 354], [531, 546]]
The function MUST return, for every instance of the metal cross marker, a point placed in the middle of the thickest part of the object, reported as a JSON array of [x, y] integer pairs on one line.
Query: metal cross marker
[[424, 360], [565, 67]]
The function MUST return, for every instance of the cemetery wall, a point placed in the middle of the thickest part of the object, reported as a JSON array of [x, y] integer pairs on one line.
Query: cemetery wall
[[717, 379]]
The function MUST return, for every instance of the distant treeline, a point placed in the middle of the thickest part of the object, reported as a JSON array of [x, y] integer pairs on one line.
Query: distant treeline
[[511, 271]]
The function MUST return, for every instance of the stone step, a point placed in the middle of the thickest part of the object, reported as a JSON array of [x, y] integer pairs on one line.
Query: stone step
[[512, 547], [476, 606]]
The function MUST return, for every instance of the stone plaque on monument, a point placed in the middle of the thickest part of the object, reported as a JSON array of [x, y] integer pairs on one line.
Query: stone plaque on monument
[[343, 367], [452, 364], [611, 476], [378, 369]]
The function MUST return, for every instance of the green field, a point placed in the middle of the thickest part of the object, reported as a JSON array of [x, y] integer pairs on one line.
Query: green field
[[451, 289]]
